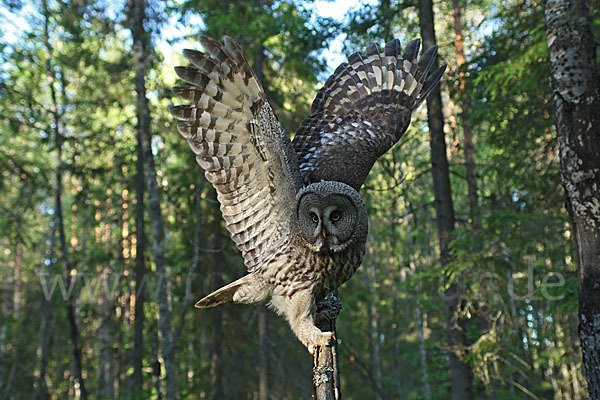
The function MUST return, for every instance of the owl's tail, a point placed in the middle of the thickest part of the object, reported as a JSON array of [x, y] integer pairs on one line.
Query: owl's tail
[[247, 289]]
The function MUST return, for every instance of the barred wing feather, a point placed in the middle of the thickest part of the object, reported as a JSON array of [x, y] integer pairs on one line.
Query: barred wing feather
[[362, 111], [240, 144]]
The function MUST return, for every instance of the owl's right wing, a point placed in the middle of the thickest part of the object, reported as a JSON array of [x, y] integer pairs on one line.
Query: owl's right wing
[[240, 144]]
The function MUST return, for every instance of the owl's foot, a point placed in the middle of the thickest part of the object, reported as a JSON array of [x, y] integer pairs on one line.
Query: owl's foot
[[311, 336], [300, 310], [322, 339]]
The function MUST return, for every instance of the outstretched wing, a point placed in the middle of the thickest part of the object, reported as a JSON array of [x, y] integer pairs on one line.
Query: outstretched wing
[[239, 142], [362, 111]]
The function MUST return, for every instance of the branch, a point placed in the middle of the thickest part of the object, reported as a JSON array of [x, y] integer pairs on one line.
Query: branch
[[326, 378]]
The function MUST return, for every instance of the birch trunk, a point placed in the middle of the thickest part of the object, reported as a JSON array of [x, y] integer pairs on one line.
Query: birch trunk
[[576, 85]]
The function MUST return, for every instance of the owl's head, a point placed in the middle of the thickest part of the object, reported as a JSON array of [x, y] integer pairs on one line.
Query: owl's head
[[330, 216]]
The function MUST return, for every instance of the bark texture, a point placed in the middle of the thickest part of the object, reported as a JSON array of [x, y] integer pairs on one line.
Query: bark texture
[[465, 105], [460, 372], [326, 378], [142, 53], [576, 85]]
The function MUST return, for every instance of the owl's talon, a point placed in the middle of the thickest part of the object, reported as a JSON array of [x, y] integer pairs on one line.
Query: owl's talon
[[323, 339]]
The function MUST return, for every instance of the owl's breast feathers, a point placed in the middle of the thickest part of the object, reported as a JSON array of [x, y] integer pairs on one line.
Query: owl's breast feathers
[[296, 268]]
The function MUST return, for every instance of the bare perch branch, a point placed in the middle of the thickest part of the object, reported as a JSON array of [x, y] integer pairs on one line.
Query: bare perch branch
[[326, 378]]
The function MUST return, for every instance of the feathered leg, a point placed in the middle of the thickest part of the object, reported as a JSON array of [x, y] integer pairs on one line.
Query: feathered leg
[[300, 309]]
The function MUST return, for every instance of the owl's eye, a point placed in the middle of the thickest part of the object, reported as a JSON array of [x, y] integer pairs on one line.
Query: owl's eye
[[334, 216], [314, 217]]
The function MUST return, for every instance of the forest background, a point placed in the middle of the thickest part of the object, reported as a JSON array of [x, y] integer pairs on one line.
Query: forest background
[[109, 233]]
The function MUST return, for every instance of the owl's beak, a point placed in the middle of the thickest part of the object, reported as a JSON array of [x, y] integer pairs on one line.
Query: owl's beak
[[324, 244]]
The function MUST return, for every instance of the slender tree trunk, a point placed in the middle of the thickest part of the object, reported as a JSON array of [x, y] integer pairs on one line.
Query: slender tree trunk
[[216, 313], [481, 304], [58, 210], [188, 282], [137, 378], [263, 354], [5, 311], [195, 262], [106, 365], [421, 326], [421, 317], [17, 279], [41, 391], [375, 352], [516, 332], [460, 371], [142, 53], [157, 369], [576, 85], [466, 110], [216, 357]]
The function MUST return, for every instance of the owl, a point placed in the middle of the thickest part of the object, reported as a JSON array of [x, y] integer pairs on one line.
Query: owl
[[293, 207]]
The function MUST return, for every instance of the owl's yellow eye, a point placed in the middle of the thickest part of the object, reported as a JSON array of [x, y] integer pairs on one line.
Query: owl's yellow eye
[[314, 217], [334, 216]]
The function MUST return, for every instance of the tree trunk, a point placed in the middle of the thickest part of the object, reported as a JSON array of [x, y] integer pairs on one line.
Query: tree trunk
[[421, 317], [375, 352], [137, 359], [17, 279], [465, 105], [576, 85], [58, 210], [195, 262], [460, 372], [142, 53], [105, 358], [41, 391], [216, 312], [4, 311], [263, 354]]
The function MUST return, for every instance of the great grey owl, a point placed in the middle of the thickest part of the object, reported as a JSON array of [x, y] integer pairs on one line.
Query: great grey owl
[[292, 207]]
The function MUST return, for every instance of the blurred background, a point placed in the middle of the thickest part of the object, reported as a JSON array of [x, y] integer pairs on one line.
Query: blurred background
[[109, 233]]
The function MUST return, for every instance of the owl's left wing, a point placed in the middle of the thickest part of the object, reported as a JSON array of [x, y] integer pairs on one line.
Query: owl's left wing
[[240, 144], [362, 111]]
